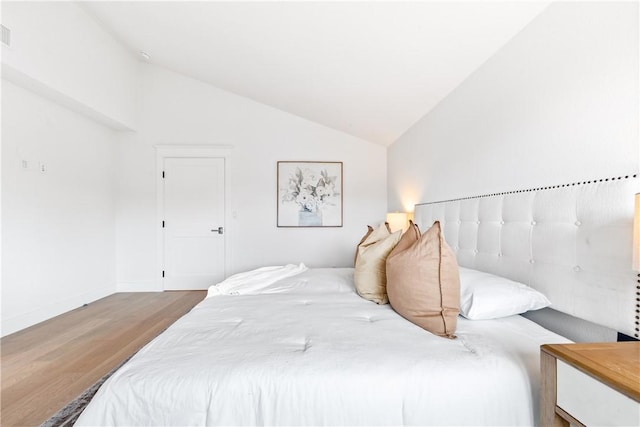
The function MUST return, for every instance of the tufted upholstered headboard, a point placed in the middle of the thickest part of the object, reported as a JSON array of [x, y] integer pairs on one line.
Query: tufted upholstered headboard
[[572, 242]]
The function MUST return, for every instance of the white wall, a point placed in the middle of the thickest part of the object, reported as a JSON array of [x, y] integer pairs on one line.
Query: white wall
[[58, 240], [87, 225], [58, 51], [66, 83], [557, 104], [179, 110]]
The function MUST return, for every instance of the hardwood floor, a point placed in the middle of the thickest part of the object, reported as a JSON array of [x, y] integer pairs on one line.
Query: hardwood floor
[[46, 366]]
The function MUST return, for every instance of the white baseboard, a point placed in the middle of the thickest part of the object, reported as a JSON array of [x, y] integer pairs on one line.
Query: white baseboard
[[141, 286], [51, 309]]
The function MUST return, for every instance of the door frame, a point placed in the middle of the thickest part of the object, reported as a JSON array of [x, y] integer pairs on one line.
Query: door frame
[[190, 151]]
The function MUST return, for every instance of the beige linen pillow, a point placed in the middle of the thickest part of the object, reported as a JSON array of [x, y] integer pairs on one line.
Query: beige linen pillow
[[423, 282], [378, 234], [373, 236], [368, 233], [370, 272]]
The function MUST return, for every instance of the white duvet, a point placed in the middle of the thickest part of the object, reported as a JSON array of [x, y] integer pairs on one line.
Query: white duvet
[[307, 350]]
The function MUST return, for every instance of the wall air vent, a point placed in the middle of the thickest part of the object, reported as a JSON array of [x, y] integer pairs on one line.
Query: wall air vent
[[6, 36]]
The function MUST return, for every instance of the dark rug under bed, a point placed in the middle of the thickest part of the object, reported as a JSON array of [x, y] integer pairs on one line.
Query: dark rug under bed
[[68, 415]]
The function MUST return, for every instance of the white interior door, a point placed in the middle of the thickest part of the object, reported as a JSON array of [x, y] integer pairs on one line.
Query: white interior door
[[193, 227]]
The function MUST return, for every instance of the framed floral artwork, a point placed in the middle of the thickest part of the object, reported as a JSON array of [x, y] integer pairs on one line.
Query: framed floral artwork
[[309, 194]]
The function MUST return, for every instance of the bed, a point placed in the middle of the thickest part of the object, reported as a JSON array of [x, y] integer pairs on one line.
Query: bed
[[307, 350], [295, 346]]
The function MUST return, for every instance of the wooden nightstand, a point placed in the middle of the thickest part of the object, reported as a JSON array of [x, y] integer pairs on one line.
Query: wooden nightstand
[[590, 384]]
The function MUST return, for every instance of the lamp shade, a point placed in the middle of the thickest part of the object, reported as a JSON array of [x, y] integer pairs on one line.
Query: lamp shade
[[399, 221], [636, 235]]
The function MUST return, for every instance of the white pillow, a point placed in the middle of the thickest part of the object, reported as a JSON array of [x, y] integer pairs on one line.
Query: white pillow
[[486, 296]]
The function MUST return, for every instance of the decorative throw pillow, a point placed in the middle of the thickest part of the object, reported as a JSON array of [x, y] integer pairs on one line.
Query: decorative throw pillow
[[369, 231], [370, 272], [377, 234], [423, 283], [373, 236], [409, 237], [486, 296]]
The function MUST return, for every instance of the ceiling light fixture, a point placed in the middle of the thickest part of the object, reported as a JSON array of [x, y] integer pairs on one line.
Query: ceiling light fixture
[[144, 55]]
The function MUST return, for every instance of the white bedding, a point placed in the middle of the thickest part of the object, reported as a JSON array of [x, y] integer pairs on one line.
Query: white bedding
[[318, 354]]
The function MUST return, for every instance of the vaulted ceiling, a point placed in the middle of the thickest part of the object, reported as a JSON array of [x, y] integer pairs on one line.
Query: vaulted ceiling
[[370, 69]]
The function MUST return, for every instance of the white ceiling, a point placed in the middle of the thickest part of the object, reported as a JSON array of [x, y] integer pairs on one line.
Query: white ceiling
[[370, 69]]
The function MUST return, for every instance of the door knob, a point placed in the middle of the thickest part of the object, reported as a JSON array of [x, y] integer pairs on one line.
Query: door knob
[[218, 230]]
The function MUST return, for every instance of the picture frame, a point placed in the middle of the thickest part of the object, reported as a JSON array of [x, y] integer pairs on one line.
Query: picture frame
[[309, 194]]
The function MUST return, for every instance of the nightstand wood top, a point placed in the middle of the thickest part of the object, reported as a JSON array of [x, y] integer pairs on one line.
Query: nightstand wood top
[[616, 364]]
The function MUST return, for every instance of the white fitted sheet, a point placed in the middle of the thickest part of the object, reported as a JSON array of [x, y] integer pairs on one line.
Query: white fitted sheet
[[307, 350]]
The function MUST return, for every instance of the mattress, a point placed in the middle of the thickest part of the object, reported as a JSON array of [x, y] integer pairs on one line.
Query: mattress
[[304, 349]]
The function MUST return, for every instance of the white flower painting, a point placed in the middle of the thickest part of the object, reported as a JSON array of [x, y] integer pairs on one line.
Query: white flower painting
[[309, 194]]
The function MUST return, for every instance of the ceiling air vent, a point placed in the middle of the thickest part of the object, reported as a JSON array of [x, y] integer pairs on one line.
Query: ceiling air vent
[[6, 36]]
